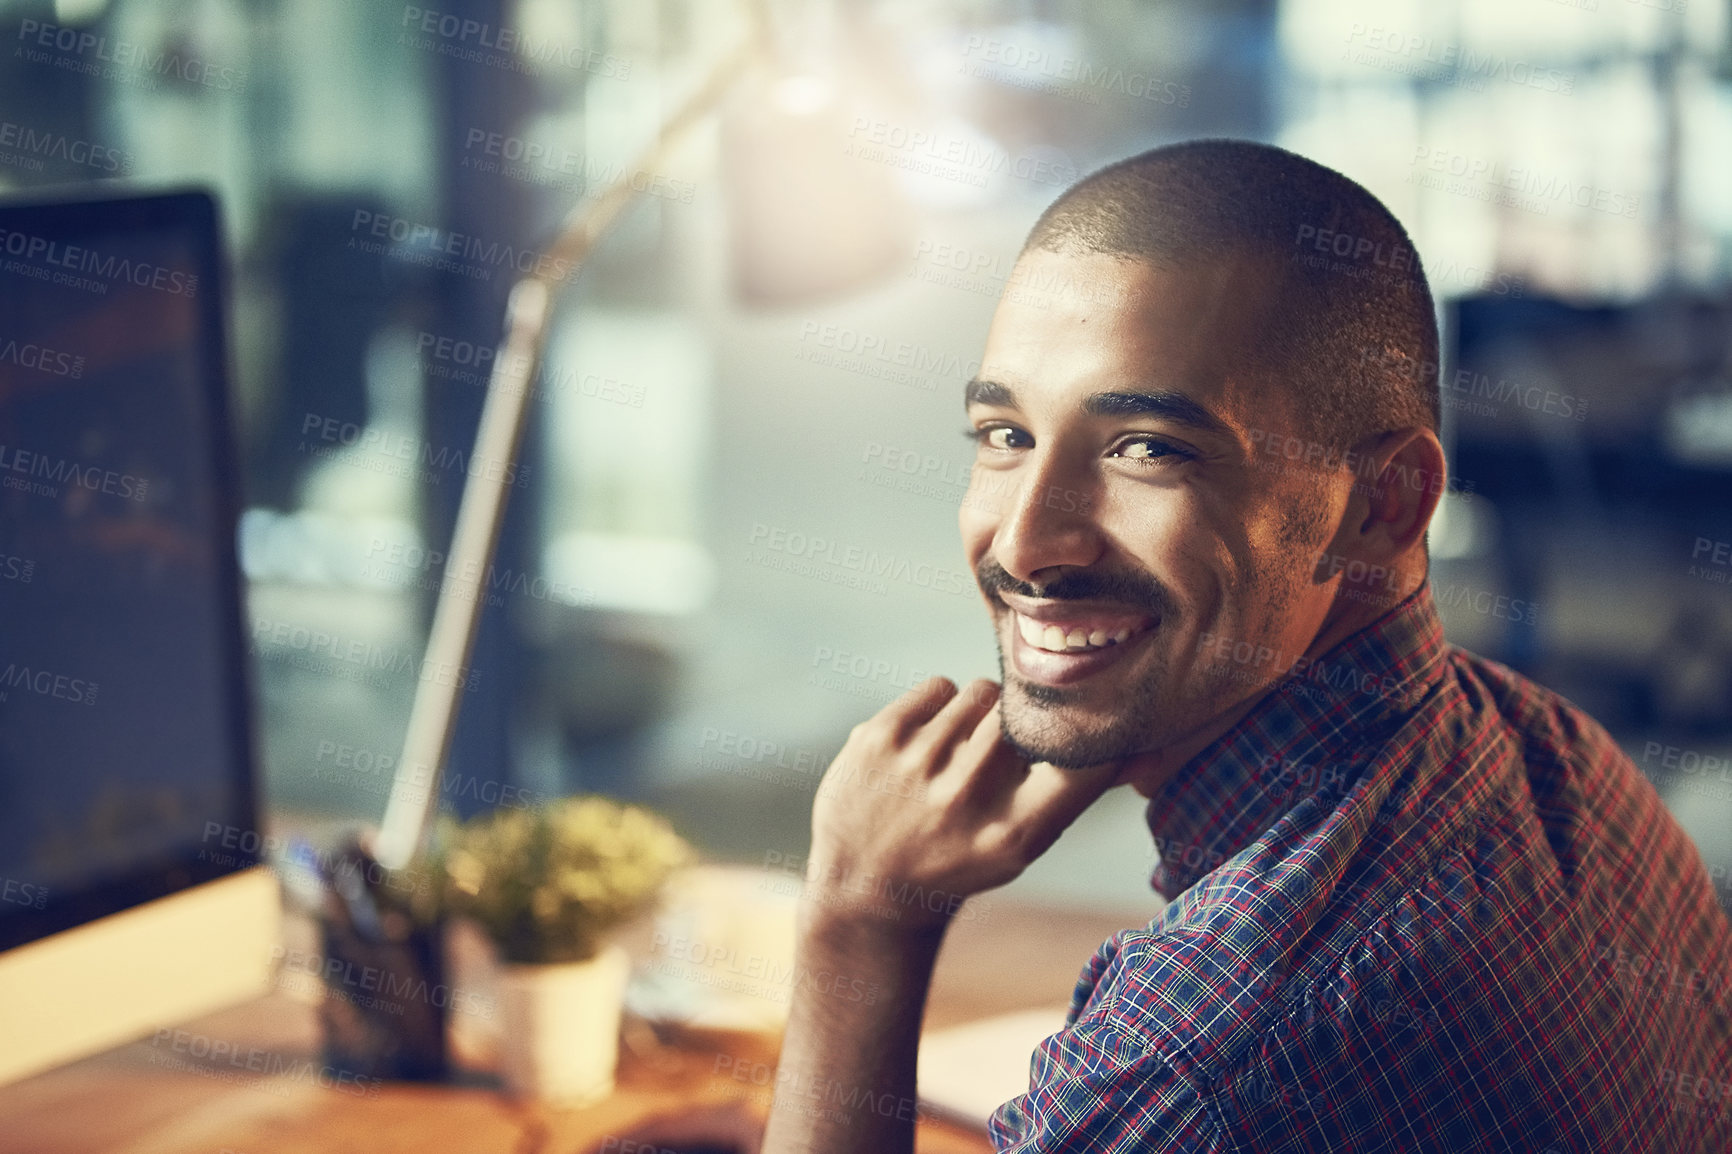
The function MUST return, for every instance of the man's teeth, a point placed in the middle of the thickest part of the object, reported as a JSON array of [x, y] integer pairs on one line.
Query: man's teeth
[[1056, 640]]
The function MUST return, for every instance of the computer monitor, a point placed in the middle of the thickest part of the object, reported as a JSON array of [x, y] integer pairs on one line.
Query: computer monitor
[[132, 892]]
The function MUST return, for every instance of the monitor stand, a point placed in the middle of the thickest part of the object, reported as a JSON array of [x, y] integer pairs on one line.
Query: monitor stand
[[108, 981]]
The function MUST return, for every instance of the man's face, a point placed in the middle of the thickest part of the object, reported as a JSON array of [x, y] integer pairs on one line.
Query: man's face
[[1118, 521]]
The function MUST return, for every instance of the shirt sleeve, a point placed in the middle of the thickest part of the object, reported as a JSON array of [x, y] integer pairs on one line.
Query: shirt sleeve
[[1092, 1088]]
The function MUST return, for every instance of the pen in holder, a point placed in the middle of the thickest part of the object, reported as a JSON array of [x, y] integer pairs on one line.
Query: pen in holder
[[386, 999]]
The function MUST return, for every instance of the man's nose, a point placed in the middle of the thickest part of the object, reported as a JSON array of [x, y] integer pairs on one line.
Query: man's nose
[[1045, 521]]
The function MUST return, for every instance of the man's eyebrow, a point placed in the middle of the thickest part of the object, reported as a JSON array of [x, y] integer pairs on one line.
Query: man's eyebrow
[[1156, 403], [1119, 403], [979, 392]]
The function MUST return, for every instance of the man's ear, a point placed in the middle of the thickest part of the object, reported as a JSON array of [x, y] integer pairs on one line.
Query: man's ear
[[1398, 479]]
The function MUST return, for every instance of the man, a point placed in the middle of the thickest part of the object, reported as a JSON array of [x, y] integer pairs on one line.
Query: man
[[1417, 903]]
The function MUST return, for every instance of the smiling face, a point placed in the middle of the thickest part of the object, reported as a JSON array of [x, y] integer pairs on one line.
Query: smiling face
[[1118, 521]]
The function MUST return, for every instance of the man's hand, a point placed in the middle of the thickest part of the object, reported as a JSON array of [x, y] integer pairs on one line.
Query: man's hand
[[927, 804], [925, 799]]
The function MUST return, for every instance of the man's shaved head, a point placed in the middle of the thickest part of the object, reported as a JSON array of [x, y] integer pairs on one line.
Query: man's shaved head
[[1354, 335]]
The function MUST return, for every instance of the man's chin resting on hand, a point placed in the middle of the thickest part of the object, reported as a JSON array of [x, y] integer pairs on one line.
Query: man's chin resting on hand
[[1416, 902]]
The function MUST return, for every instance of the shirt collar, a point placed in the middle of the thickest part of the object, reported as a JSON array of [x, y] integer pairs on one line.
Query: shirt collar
[[1307, 735]]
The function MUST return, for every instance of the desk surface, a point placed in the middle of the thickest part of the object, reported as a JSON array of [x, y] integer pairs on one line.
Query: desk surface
[[130, 1100]]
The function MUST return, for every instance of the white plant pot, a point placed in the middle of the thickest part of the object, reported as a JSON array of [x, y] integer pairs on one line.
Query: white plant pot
[[559, 1038]]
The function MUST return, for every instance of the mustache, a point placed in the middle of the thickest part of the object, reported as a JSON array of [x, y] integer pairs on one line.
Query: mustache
[[1133, 589]]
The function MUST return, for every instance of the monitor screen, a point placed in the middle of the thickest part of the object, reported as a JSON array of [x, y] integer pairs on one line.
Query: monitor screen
[[125, 758]]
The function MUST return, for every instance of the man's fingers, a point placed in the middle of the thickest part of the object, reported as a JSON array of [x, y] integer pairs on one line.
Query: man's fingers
[[952, 725], [919, 705], [1049, 799], [988, 728], [997, 768]]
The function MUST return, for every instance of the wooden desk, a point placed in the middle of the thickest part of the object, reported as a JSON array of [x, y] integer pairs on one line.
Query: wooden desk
[[147, 1098]]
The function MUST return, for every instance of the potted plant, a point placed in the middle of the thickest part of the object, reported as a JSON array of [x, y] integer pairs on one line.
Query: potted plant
[[547, 886]]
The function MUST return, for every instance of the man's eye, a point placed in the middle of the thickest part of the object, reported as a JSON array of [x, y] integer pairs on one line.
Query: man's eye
[[1151, 449], [998, 437]]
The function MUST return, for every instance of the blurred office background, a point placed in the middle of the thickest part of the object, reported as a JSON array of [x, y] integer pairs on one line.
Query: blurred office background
[[755, 383]]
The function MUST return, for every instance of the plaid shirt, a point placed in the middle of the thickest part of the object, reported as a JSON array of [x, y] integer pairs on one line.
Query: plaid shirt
[[1417, 903]]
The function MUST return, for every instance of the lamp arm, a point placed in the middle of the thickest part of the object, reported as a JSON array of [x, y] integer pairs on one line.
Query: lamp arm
[[456, 613]]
